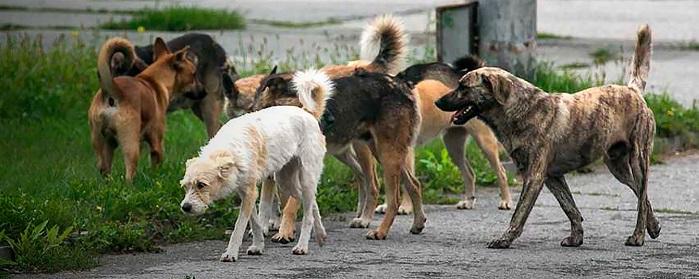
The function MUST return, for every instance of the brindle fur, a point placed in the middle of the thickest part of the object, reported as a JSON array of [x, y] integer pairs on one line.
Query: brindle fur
[[550, 135]]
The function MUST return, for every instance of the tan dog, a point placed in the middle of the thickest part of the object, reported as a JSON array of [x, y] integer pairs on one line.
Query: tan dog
[[549, 135], [130, 109], [436, 122]]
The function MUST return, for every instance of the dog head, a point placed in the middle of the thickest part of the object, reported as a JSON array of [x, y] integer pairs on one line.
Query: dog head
[[479, 91], [207, 178], [177, 69], [276, 90]]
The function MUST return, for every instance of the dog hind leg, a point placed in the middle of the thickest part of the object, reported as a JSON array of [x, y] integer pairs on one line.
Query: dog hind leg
[[454, 140], [268, 212], [309, 168], [559, 188], [619, 162], [349, 158], [488, 143], [291, 206], [104, 149], [129, 140]]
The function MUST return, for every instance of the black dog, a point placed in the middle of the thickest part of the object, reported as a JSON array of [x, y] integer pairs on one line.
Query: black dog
[[443, 72]]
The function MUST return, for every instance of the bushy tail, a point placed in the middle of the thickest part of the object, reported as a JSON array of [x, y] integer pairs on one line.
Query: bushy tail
[[115, 54], [387, 34], [314, 88], [641, 59], [467, 63]]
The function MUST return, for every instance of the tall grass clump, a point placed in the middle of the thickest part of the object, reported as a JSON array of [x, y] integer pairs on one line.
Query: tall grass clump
[[180, 19]]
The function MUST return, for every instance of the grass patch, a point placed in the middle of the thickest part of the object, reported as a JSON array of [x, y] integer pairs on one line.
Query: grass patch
[[180, 19], [689, 45], [574, 65], [601, 56], [292, 24], [551, 36]]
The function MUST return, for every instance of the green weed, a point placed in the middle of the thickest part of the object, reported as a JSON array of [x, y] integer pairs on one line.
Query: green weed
[[179, 18]]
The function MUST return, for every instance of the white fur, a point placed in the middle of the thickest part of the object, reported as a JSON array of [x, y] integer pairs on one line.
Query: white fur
[[370, 40], [305, 82], [294, 146]]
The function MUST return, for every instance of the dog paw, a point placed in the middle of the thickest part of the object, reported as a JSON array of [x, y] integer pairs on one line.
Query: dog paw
[[466, 204], [405, 210], [417, 229], [653, 230], [634, 240], [505, 205], [321, 238], [381, 209], [300, 250], [229, 257], [375, 235], [359, 223], [282, 238], [499, 244], [572, 241], [255, 250]]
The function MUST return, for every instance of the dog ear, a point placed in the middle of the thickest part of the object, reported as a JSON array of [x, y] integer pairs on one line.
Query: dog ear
[[274, 70], [160, 49], [224, 162], [499, 85], [184, 55]]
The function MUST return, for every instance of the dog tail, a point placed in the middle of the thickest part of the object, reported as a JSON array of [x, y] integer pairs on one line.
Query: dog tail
[[387, 34], [641, 59], [467, 63], [115, 54], [314, 88]]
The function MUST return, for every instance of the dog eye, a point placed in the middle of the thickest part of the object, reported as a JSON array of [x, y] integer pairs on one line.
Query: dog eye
[[200, 185]]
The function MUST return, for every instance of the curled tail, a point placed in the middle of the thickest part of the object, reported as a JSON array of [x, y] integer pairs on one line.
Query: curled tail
[[641, 59], [117, 55], [314, 88], [387, 34]]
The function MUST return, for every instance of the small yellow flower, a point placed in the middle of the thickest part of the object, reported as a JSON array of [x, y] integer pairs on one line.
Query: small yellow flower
[[670, 113], [99, 208], [75, 34], [141, 29]]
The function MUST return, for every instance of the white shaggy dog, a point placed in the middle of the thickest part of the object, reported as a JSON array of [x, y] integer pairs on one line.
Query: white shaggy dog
[[285, 141]]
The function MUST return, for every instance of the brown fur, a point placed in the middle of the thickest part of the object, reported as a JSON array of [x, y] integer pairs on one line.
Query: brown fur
[[133, 109], [550, 135], [243, 101]]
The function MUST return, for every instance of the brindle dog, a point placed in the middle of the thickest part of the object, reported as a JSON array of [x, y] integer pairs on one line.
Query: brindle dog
[[550, 135]]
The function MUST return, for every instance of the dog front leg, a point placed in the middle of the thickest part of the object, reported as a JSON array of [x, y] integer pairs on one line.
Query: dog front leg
[[248, 198], [559, 188], [533, 182]]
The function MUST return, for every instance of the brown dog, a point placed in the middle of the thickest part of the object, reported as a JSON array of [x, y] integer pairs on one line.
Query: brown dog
[[550, 135], [130, 109]]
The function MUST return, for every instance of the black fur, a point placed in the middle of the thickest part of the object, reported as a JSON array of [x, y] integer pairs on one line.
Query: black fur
[[210, 55], [357, 103], [445, 73]]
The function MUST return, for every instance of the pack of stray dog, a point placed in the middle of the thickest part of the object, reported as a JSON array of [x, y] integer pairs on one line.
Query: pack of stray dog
[[364, 112]]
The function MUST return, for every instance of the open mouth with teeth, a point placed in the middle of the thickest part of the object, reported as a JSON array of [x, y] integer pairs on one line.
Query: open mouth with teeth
[[463, 115]]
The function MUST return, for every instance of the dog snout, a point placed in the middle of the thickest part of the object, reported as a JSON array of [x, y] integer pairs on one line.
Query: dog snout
[[187, 207]]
